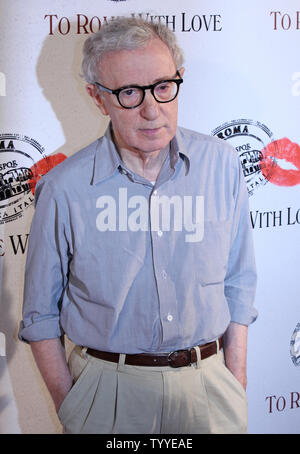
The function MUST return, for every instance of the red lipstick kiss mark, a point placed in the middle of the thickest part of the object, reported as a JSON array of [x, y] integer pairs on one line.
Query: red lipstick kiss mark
[[286, 150], [43, 166]]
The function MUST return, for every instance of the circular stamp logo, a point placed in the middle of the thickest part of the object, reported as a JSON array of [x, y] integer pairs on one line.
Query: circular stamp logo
[[249, 138], [295, 345], [18, 155]]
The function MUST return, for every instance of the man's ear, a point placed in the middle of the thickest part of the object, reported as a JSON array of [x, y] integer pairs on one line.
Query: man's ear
[[97, 97], [181, 71]]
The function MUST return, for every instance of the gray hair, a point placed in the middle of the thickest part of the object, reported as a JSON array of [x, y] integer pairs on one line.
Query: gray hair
[[125, 33]]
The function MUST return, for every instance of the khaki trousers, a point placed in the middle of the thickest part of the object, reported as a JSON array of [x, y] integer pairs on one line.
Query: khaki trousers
[[111, 398]]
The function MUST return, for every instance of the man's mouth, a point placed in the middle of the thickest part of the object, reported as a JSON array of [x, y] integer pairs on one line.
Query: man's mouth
[[280, 162], [151, 131]]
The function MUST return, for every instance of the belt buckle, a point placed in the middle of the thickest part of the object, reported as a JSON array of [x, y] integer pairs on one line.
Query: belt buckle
[[180, 358]]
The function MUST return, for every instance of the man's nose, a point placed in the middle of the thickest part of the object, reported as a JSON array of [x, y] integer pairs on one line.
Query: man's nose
[[149, 107]]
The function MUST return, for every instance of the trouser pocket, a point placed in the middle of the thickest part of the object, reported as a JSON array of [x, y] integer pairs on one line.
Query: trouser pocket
[[75, 406], [227, 398]]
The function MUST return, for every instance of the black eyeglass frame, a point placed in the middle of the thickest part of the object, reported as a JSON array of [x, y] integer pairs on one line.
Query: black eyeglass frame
[[152, 87]]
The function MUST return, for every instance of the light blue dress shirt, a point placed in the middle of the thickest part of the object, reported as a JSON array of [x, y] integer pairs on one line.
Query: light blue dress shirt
[[120, 265]]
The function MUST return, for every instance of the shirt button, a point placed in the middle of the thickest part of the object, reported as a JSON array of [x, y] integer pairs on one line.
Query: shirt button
[[164, 274], [170, 318], [159, 233], [155, 192]]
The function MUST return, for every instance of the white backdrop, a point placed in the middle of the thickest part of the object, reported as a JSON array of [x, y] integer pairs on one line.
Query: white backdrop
[[242, 82]]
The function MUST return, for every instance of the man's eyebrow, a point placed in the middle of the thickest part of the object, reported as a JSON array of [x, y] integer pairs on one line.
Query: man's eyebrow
[[165, 78], [159, 79]]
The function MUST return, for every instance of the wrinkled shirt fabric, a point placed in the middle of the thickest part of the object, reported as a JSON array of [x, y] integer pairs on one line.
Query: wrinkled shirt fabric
[[134, 287]]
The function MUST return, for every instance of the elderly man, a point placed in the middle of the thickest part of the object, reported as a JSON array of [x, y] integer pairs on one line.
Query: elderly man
[[146, 259]]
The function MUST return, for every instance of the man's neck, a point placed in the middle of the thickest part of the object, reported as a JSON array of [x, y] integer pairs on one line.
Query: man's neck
[[147, 165]]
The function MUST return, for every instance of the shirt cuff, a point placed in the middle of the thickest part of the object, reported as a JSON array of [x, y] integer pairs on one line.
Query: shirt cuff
[[244, 315], [40, 330]]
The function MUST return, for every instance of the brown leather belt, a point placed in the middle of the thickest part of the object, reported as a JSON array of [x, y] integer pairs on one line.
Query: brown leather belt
[[178, 358]]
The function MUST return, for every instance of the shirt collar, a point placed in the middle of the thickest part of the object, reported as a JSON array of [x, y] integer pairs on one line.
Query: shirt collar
[[107, 160], [178, 149]]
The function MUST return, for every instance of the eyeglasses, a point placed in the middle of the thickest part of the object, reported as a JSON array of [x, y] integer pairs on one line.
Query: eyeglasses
[[132, 96]]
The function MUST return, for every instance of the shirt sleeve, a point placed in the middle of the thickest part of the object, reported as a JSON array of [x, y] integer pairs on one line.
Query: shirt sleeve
[[240, 280], [46, 267]]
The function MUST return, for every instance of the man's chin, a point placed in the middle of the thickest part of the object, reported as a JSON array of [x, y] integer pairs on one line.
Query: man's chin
[[154, 144]]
